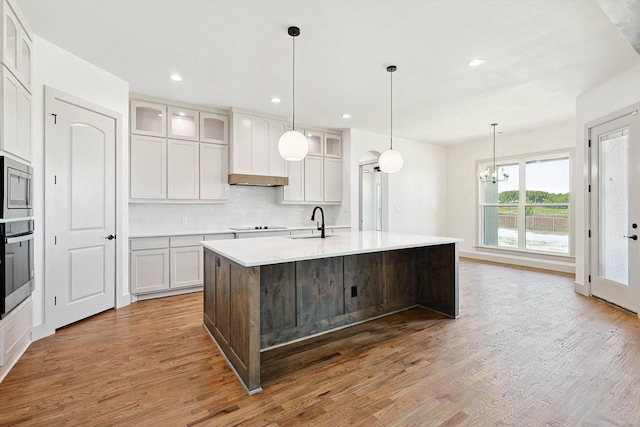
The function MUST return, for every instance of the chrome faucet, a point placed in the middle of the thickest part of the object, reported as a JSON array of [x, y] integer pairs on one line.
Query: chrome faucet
[[313, 218]]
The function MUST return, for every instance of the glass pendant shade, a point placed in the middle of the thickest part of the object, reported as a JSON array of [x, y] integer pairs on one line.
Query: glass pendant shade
[[390, 161], [293, 146]]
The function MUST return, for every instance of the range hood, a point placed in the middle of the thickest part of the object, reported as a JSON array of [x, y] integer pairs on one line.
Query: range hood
[[258, 180]]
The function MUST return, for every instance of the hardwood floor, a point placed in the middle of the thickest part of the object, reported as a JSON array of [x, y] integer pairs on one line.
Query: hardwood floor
[[526, 350]]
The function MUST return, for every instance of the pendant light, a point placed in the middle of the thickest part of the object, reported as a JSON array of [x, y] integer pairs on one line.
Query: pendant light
[[490, 173], [293, 145], [391, 160]]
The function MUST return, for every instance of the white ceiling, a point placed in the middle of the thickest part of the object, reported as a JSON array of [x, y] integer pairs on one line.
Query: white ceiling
[[540, 55]]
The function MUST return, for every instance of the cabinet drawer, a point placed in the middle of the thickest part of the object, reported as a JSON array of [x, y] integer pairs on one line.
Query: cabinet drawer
[[182, 241], [148, 243]]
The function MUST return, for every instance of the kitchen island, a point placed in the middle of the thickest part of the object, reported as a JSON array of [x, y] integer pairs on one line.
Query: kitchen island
[[268, 292]]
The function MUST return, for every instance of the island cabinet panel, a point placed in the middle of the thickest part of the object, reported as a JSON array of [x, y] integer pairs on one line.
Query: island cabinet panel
[[400, 276], [221, 291], [320, 290], [232, 315], [277, 297], [363, 282], [438, 275]]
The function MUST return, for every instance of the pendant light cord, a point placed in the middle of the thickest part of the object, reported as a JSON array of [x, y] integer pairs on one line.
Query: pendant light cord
[[391, 109], [294, 83], [494, 149]]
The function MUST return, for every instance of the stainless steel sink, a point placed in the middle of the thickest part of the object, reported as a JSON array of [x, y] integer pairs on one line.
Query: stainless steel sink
[[310, 236]]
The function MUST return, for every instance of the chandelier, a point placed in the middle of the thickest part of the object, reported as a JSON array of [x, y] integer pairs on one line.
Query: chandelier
[[491, 173]]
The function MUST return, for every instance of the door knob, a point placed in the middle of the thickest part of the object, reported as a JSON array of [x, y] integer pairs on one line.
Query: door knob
[[633, 237], [110, 237]]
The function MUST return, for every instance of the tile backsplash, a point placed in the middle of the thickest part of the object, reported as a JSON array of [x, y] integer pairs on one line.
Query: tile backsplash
[[247, 206]]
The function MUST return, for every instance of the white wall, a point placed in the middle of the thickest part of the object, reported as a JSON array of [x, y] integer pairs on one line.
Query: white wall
[[57, 68], [463, 183], [616, 93], [417, 194]]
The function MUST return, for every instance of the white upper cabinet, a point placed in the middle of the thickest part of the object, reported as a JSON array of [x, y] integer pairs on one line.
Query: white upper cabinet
[[148, 118], [16, 117], [254, 146], [315, 143], [277, 165], [183, 124], [178, 154], [332, 180], [214, 171], [332, 146], [148, 161], [294, 192], [214, 128], [313, 179], [16, 44], [183, 169]]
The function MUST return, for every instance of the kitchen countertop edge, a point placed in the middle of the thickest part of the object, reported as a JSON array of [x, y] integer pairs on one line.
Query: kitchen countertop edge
[[226, 231]]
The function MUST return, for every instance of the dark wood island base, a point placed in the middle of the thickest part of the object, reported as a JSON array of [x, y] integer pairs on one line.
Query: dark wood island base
[[250, 309]]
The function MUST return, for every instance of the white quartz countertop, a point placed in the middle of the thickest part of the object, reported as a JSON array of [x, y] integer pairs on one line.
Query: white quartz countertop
[[276, 250]]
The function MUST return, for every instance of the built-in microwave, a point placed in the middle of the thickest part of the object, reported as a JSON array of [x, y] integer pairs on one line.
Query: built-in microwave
[[17, 189]]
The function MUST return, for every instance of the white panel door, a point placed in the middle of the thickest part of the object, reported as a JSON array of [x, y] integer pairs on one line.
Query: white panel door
[[615, 211], [183, 169], [214, 172], [81, 164]]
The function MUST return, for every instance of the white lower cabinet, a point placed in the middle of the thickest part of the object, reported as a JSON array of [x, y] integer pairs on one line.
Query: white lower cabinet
[[161, 264], [186, 267], [149, 271], [15, 336]]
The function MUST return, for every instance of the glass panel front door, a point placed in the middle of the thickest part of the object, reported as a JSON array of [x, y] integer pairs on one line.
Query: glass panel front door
[[615, 214]]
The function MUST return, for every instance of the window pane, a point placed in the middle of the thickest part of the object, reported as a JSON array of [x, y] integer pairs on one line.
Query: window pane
[[547, 181], [547, 228], [501, 226], [504, 192]]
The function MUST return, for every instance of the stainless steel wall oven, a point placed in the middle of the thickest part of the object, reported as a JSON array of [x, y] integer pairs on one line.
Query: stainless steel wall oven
[[16, 263]]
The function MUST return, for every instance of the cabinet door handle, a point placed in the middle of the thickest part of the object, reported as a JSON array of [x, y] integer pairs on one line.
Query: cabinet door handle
[[632, 237], [110, 237]]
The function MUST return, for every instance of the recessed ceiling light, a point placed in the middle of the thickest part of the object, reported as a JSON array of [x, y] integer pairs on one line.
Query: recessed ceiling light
[[346, 116], [475, 62], [275, 100], [175, 77]]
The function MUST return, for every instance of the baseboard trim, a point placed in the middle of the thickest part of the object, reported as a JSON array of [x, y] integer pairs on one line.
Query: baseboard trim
[[561, 266]]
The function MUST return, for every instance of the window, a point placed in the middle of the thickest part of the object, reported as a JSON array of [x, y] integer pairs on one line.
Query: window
[[531, 210]]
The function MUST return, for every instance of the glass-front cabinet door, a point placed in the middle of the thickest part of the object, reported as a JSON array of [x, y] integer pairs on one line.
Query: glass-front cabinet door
[[214, 128], [24, 71], [148, 118], [10, 40], [315, 143], [332, 146], [183, 123]]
